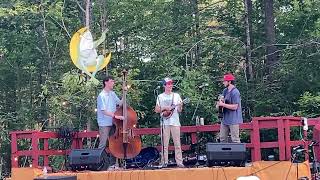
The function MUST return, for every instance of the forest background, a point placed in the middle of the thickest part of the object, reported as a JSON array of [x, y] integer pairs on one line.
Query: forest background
[[272, 47]]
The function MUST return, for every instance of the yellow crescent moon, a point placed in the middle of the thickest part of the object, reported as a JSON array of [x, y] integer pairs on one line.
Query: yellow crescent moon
[[74, 51]]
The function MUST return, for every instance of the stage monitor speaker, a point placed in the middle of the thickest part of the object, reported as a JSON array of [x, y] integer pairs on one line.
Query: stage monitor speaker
[[226, 154], [57, 178], [89, 159]]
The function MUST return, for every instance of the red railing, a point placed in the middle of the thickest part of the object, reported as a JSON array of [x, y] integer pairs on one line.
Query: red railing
[[282, 124]]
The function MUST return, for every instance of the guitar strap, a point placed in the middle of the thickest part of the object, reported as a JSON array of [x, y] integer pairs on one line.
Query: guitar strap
[[226, 92], [172, 99]]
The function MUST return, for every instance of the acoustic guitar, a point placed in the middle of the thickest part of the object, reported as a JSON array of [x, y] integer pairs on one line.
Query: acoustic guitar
[[220, 111]]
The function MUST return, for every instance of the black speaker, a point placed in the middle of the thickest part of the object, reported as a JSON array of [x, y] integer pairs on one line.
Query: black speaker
[[57, 178], [226, 154], [89, 159]]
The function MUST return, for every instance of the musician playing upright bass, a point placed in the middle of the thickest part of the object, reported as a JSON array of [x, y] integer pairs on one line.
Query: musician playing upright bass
[[169, 104], [107, 102]]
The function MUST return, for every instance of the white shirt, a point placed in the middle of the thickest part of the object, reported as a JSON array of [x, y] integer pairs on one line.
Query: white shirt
[[166, 100]]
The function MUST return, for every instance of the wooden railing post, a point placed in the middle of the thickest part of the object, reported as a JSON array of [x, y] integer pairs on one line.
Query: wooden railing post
[[281, 142], [14, 150], [256, 140], [45, 148], [287, 139], [316, 138], [35, 149]]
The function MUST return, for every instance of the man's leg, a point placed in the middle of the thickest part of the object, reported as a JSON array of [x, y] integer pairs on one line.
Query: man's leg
[[234, 131], [175, 131], [103, 135], [224, 133], [166, 138]]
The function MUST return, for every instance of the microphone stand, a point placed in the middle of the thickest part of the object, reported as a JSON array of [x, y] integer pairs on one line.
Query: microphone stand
[[194, 113], [162, 164]]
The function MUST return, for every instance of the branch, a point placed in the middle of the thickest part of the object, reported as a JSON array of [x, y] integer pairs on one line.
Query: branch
[[81, 8], [64, 27], [61, 25]]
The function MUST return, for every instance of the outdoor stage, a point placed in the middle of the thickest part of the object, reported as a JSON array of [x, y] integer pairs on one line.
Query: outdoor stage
[[37, 155], [265, 170]]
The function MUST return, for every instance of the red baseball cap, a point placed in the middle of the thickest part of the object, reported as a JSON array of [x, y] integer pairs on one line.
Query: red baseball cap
[[228, 77], [167, 81]]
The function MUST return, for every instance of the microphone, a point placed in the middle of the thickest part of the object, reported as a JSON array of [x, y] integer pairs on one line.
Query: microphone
[[313, 143], [203, 85], [297, 147], [301, 150]]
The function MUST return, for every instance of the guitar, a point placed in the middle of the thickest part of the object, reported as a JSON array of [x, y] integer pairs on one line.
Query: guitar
[[166, 114], [220, 111]]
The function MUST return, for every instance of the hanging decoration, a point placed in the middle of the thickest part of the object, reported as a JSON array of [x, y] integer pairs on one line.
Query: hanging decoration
[[84, 54]]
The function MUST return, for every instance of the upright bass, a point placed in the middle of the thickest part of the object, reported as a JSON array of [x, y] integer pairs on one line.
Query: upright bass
[[124, 144]]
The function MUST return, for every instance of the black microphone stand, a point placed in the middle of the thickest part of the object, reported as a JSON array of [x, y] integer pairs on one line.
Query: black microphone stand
[[314, 161], [162, 163], [198, 147]]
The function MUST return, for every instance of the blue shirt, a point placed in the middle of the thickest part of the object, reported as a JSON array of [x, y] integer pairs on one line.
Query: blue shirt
[[106, 101], [231, 117]]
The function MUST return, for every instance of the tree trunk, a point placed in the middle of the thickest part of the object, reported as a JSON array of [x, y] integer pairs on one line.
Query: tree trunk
[[272, 55], [88, 7], [248, 62], [249, 40], [104, 26], [196, 32]]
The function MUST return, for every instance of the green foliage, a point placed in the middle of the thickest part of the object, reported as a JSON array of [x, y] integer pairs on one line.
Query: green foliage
[[72, 102], [309, 105]]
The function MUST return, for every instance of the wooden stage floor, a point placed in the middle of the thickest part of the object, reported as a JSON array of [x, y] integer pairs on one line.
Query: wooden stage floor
[[265, 170]]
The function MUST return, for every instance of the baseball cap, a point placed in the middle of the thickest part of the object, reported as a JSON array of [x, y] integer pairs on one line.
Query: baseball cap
[[228, 77], [167, 80]]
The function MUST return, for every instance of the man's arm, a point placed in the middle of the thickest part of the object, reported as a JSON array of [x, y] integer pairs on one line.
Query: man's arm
[[105, 112], [101, 103], [111, 114], [159, 109], [179, 108], [228, 106], [180, 104], [235, 102]]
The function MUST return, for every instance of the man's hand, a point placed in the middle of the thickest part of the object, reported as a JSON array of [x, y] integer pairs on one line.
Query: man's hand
[[125, 88], [119, 117], [166, 108], [220, 103], [217, 107]]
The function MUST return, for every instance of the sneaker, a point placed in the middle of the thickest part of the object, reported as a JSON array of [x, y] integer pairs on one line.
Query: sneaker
[[164, 165], [181, 166]]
